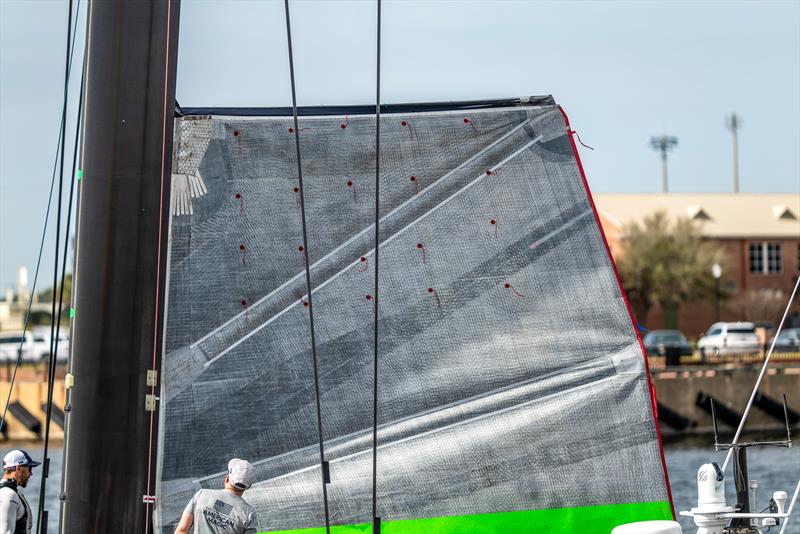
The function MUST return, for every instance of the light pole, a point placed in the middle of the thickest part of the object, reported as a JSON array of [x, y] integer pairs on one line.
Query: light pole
[[734, 122], [663, 144], [716, 272]]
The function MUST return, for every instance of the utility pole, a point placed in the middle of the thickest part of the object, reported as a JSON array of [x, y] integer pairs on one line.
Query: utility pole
[[733, 122], [664, 144]]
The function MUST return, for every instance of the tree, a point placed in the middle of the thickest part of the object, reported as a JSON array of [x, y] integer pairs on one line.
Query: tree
[[46, 295], [666, 264], [762, 305]]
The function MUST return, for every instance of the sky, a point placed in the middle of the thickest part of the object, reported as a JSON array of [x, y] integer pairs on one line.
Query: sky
[[623, 71]]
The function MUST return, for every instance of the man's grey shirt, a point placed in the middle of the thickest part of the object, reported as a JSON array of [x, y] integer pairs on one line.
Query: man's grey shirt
[[221, 512]]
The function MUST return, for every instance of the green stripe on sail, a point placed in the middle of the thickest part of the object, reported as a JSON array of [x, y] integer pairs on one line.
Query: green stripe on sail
[[583, 519]]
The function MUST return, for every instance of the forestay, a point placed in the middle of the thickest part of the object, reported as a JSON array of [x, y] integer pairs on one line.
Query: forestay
[[513, 393]]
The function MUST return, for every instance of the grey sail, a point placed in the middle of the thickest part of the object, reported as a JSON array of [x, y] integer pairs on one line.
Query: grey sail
[[512, 388]]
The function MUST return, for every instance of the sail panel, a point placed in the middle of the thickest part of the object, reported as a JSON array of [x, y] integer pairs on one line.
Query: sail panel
[[511, 377]]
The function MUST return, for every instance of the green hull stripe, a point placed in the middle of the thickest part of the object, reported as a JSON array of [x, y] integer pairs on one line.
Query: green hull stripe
[[585, 519]]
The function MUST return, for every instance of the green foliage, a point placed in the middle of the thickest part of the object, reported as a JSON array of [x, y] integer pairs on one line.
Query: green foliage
[[46, 295], [666, 263], [39, 318]]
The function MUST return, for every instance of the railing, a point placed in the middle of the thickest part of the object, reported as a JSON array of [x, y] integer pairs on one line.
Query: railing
[[660, 361]]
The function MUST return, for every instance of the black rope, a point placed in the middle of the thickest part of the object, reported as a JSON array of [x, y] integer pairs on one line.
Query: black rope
[[54, 318], [323, 468], [375, 519], [51, 375], [41, 245]]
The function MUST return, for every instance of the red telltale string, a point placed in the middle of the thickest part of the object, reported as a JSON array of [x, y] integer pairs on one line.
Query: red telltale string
[[413, 180], [433, 292], [352, 186], [513, 290], [474, 128], [244, 253], [579, 139], [421, 248], [407, 124]]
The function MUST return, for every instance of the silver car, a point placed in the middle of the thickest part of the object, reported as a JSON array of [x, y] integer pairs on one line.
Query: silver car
[[729, 338]]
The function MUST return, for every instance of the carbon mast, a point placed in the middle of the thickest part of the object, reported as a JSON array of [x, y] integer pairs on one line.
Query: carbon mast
[[120, 269]]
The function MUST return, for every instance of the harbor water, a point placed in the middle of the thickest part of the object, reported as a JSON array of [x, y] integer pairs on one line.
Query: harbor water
[[773, 468]]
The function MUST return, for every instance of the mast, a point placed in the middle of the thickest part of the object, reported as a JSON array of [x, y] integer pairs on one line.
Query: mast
[[120, 265]]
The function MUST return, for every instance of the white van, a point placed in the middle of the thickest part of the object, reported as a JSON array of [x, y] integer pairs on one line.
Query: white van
[[729, 338]]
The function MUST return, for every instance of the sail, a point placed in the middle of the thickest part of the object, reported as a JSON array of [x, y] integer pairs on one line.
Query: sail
[[513, 393]]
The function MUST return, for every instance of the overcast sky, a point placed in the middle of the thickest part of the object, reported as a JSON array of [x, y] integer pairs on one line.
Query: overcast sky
[[623, 71]]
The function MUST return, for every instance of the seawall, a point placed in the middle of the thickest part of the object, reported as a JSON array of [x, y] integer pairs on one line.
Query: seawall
[[684, 392]]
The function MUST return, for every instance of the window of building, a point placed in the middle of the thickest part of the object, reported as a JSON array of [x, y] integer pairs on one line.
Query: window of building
[[766, 258]]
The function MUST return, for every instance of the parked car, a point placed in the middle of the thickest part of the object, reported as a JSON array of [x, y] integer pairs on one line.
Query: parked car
[[729, 338], [10, 344], [787, 341], [41, 344], [659, 342], [35, 348]]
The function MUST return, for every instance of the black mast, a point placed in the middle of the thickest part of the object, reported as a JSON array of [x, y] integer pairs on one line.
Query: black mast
[[120, 265]]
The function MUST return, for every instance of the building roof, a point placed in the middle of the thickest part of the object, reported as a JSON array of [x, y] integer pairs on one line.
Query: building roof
[[721, 215]]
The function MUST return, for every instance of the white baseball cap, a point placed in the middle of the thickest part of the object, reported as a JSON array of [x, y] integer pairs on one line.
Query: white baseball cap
[[240, 473], [19, 457]]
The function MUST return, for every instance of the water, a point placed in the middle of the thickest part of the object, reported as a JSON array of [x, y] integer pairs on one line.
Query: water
[[774, 468]]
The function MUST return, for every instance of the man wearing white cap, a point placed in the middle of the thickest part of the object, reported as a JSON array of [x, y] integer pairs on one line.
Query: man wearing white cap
[[222, 511], [16, 516]]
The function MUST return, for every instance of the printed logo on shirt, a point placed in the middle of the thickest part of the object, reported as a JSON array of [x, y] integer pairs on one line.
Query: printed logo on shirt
[[223, 507], [219, 515]]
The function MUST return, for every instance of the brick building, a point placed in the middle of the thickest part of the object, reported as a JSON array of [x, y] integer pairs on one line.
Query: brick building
[[759, 233]]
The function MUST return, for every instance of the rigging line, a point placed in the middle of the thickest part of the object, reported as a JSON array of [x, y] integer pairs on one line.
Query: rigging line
[[308, 269], [760, 377], [75, 253], [41, 245], [375, 519], [147, 502], [53, 340], [791, 507], [51, 375]]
